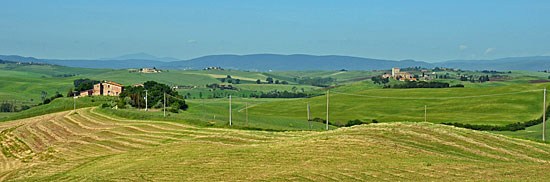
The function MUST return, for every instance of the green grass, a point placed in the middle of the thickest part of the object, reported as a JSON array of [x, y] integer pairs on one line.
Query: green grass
[[216, 113], [494, 110], [57, 105]]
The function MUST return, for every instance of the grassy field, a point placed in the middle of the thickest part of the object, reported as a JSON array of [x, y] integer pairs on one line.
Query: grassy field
[[444, 105], [90, 146], [216, 114], [57, 105]]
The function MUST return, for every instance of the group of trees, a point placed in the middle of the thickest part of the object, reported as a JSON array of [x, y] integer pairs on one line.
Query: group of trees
[[280, 94], [48, 100], [380, 80], [420, 84], [230, 80], [12, 107], [81, 85], [317, 81], [63, 75], [135, 96], [472, 79], [270, 80]]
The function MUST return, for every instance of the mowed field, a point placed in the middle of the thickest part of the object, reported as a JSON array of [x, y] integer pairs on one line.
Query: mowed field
[[90, 146], [495, 106]]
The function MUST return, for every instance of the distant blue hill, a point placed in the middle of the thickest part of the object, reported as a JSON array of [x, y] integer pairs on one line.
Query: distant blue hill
[[298, 62]]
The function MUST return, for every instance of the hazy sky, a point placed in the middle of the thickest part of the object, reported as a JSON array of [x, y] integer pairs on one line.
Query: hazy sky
[[387, 29]]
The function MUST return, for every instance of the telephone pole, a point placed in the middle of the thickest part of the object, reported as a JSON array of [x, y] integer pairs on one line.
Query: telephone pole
[[328, 101], [146, 100], [230, 110], [544, 117], [74, 103], [164, 104]]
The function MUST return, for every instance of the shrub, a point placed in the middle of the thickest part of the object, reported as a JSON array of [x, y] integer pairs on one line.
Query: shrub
[[105, 105], [353, 122], [175, 107]]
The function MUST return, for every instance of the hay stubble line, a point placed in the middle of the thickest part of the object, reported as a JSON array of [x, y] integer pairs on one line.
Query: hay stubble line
[[88, 145]]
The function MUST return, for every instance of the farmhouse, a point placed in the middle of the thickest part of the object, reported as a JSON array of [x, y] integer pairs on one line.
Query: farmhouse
[[149, 70], [108, 88]]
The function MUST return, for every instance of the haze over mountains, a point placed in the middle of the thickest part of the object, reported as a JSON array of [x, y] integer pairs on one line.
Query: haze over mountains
[[298, 62]]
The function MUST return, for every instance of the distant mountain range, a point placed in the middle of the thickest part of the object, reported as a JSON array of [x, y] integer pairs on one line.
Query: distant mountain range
[[298, 62]]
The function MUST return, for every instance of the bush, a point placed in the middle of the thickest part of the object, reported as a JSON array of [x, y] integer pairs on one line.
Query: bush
[[175, 107], [105, 105], [158, 105], [121, 104], [353, 123]]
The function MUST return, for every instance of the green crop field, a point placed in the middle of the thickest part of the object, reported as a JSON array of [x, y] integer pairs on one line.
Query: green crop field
[[444, 105], [91, 146]]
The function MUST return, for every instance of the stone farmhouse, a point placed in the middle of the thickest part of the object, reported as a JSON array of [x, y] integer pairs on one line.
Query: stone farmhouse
[[108, 88], [149, 70]]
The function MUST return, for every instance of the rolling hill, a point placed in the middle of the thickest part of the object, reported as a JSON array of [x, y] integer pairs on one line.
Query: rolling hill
[[89, 146], [297, 62]]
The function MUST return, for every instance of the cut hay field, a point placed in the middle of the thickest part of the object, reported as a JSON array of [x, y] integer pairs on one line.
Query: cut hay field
[[90, 146], [444, 105]]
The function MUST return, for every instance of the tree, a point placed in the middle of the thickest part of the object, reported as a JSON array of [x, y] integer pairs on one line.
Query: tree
[[237, 81], [44, 95], [155, 94], [70, 92], [269, 80], [6, 107], [276, 81], [284, 82], [258, 81]]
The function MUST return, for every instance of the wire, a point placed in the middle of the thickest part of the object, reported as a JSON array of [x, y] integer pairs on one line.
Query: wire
[[436, 98]]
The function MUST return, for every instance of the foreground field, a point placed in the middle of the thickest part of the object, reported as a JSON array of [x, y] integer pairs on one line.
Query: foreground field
[[89, 146]]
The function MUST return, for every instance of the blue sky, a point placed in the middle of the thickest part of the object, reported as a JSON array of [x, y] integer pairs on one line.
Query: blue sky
[[386, 29]]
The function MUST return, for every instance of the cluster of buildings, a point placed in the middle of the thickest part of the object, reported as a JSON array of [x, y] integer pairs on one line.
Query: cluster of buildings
[[398, 75], [213, 68], [107, 88]]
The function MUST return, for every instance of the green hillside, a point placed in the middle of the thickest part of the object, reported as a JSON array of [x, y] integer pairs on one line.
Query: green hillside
[[519, 103], [89, 146]]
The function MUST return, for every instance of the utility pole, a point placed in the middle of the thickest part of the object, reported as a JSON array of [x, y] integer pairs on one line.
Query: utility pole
[[164, 104], [425, 113], [308, 117], [146, 97], [246, 108], [230, 110], [328, 99], [544, 117], [74, 103]]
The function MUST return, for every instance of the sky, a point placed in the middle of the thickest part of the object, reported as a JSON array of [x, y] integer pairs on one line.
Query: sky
[[424, 30]]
